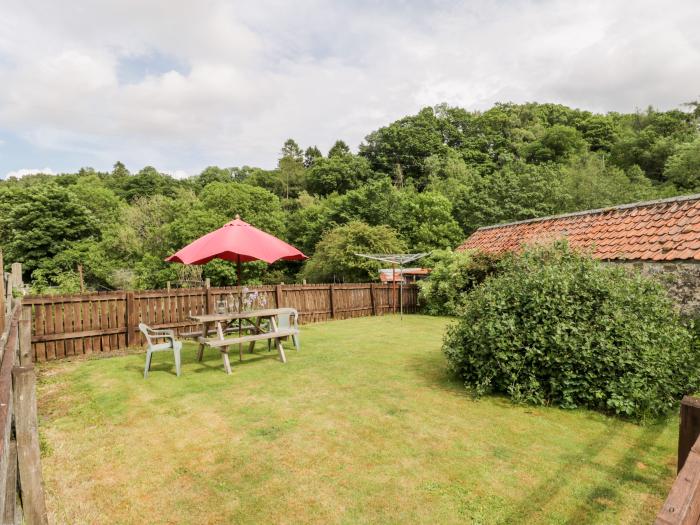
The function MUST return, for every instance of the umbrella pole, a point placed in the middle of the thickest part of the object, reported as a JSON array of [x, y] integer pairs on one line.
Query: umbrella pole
[[240, 305]]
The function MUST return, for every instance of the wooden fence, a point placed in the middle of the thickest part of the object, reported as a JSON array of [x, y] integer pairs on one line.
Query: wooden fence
[[682, 506], [73, 325], [21, 484]]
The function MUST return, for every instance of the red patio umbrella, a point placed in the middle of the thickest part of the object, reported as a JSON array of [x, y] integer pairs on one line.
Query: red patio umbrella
[[239, 242]]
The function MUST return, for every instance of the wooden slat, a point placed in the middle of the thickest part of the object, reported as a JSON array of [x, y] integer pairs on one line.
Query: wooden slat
[[57, 310], [78, 335], [104, 325], [28, 455], [77, 298], [39, 328], [121, 321], [682, 506], [49, 322], [95, 320], [77, 327], [68, 326], [218, 343], [87, 325], [153, 310], [113, 323], [12, 512]]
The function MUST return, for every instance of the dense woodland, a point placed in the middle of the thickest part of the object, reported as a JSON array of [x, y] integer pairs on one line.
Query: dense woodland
[[421, 183]]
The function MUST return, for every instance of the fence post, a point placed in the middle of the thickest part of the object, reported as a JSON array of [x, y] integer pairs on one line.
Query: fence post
[[25, 337], [132, 320], [2, 293], [12, 507], [28, 456], [278, 295], [689, 428], [16, 280], [373, 299], [332, 295]]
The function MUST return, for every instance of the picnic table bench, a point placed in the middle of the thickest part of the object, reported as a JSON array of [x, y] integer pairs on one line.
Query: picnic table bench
[[225, 337]]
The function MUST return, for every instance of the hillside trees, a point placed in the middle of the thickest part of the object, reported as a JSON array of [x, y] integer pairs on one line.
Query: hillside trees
[[682, 169], [42, 221], [432, 178]]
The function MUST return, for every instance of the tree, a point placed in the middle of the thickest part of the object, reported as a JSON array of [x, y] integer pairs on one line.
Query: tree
[[650, 138], [309, 222], [556, 144], [405, 143], [517, 191], [256, 206], [335, 259], [215, 174], [338, 173], [291, 150], [106, 206], [683, 167], [589, 183], [41, 221], [148, 182], [269, 180], [373, 203], [310, 155], [290, 168], [145, 223], [339, 149], [600, 131], [646, 149], [424, 221], [453, 274]]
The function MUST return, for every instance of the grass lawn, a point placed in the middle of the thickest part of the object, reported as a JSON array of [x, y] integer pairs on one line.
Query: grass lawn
[[364, 425]]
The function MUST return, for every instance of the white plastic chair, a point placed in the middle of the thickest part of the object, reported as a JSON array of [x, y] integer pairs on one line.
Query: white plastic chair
[[288, 318], [170, 344]]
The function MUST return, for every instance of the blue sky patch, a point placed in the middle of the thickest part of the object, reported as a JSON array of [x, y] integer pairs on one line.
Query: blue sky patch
[[133, 69]]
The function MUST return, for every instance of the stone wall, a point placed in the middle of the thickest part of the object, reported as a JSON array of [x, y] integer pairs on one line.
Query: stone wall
[[681, 279]]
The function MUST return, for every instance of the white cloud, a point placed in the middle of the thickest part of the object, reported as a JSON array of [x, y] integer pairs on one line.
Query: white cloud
[[29, 171], [255, 73]]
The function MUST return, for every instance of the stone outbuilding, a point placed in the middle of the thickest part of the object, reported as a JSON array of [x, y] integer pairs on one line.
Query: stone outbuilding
[[661, 238]]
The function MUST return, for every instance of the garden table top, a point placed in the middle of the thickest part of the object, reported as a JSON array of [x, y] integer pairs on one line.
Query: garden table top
[[232, 316]]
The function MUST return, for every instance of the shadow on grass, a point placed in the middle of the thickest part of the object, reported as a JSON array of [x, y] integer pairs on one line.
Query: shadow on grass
[[625, 471], [431, 370], [548, 489]]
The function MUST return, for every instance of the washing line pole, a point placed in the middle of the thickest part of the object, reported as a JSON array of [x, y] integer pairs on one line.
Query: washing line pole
[[401, 294], [393, 288], [395, 258]]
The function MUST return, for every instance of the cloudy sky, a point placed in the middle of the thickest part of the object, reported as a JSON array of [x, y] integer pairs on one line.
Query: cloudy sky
[[183, 84]]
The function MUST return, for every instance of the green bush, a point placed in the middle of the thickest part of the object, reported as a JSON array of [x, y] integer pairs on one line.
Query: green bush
[[557, 327], [453, 274]]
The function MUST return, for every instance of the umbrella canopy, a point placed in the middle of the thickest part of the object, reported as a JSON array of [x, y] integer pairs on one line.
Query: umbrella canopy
[[239, 242]]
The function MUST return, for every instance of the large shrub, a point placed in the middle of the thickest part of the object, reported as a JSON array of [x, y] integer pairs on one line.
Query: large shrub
[[453, 274], [557, 327]]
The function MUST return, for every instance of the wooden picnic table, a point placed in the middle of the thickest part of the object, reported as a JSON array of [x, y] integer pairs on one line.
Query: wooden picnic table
[[222, 324]]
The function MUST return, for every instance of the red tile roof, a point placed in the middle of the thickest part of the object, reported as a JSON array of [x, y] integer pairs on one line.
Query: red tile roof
[[663, 230]]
